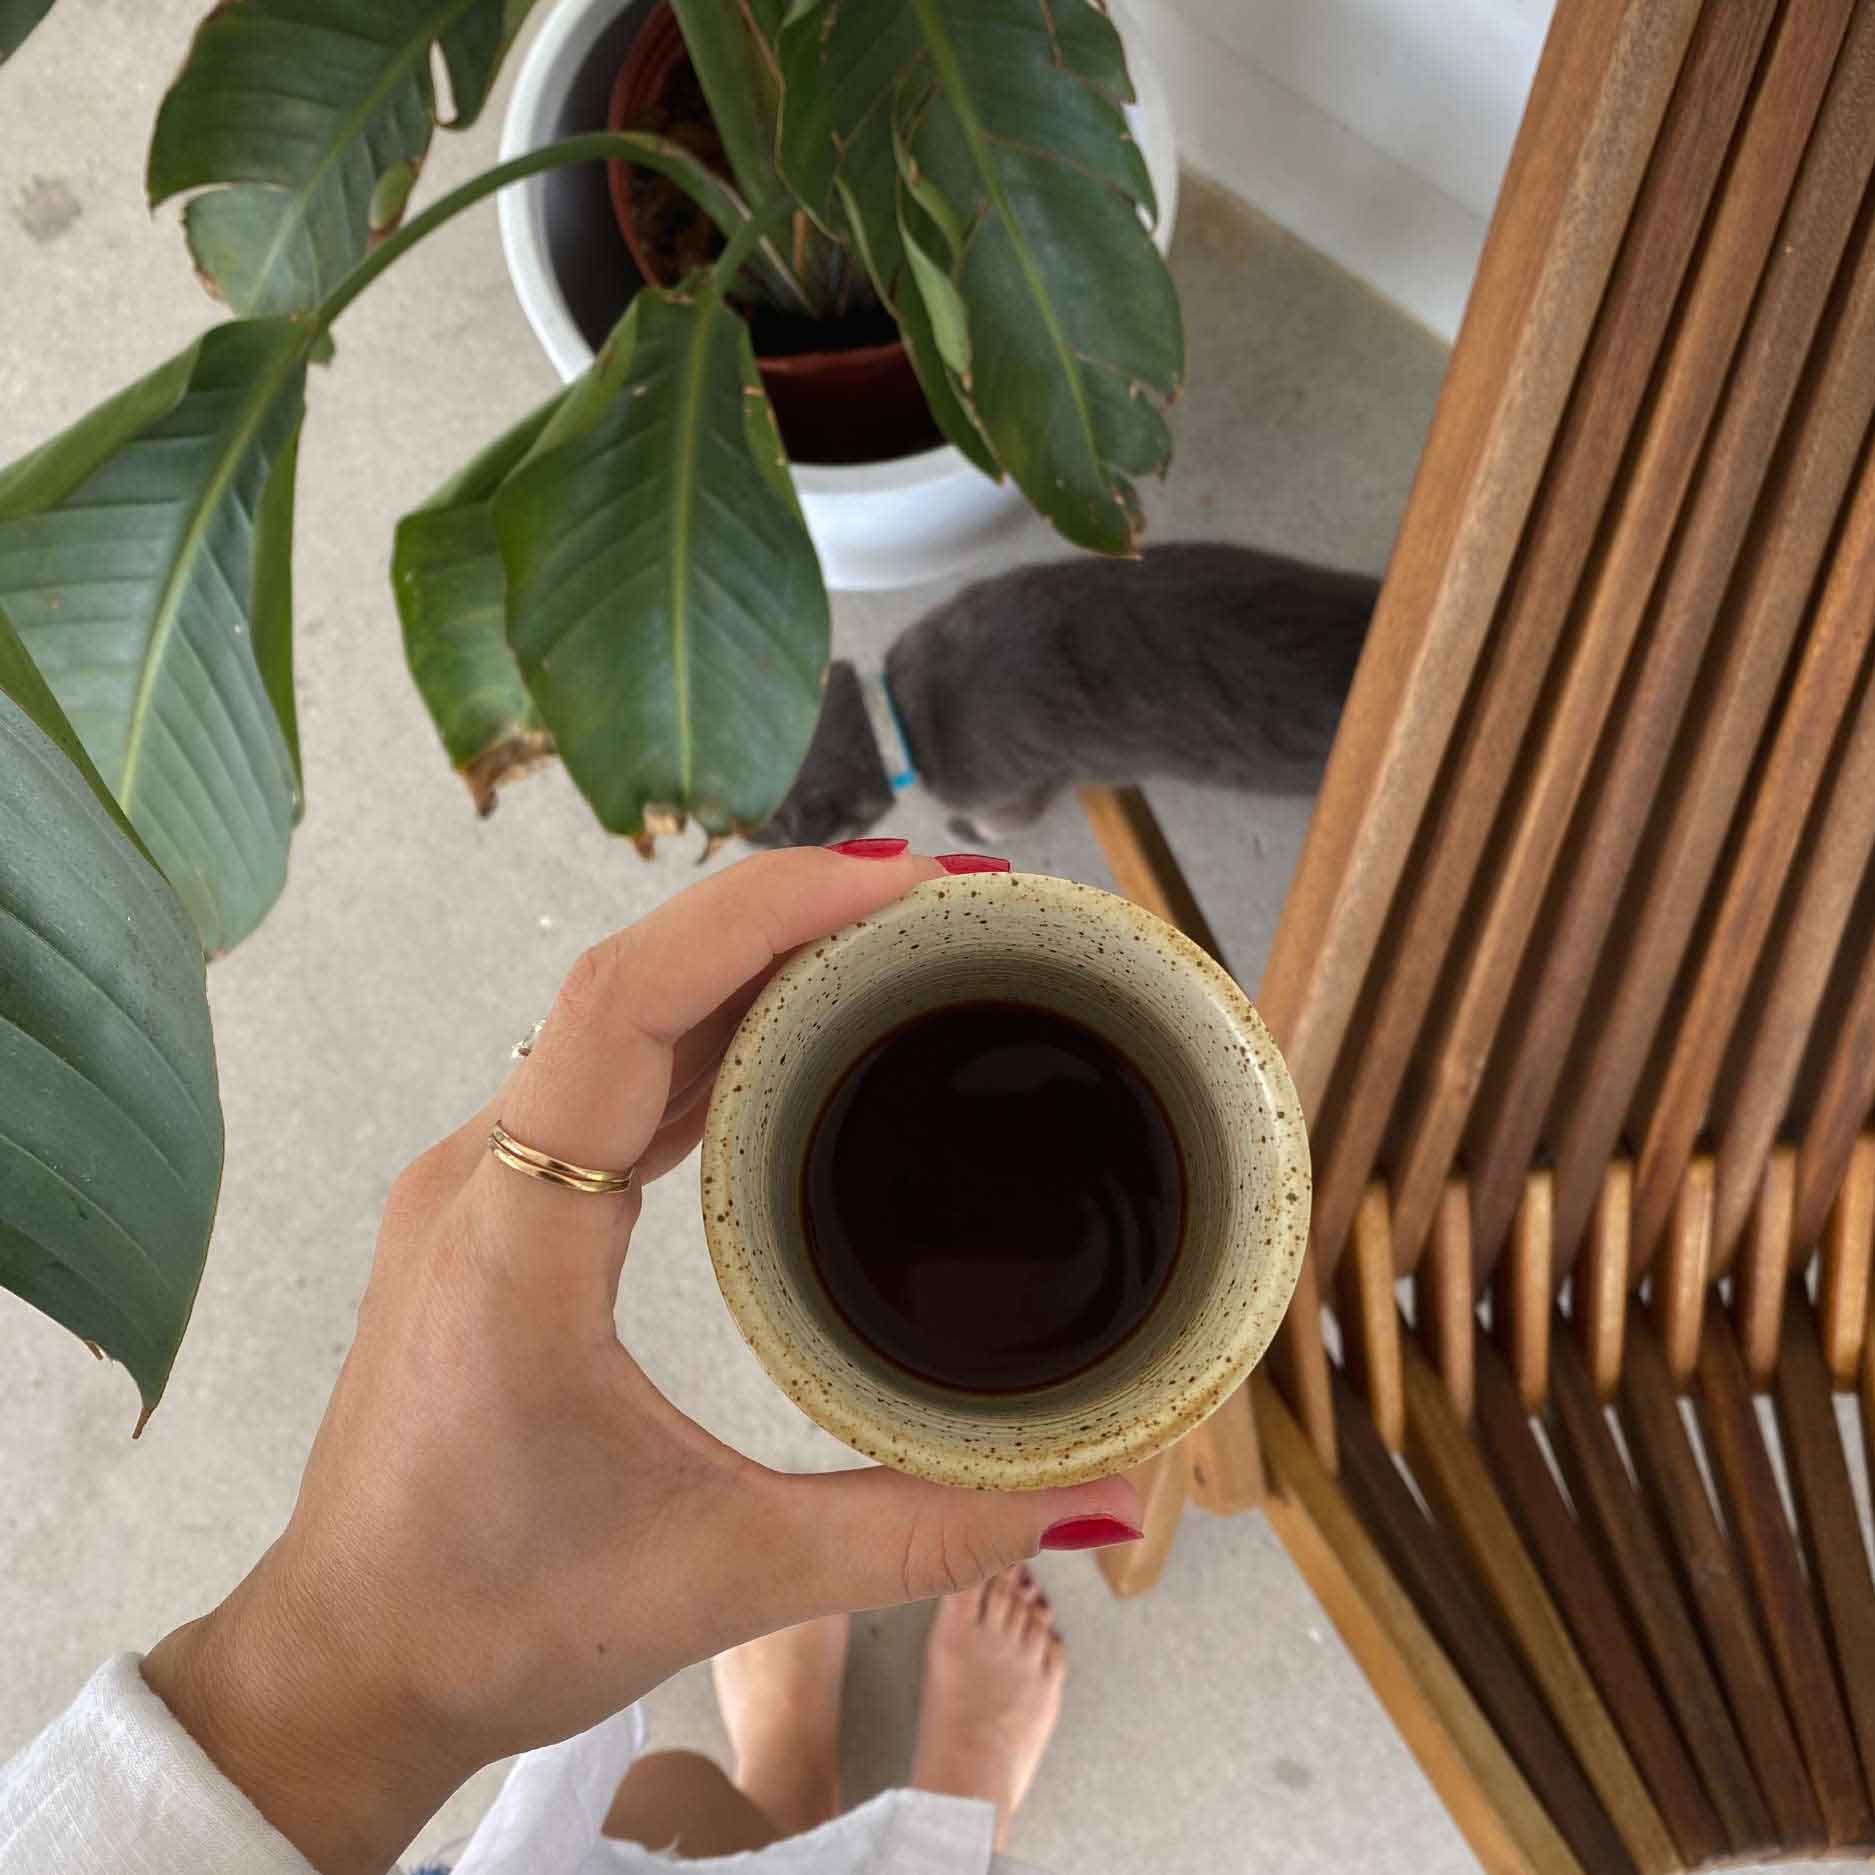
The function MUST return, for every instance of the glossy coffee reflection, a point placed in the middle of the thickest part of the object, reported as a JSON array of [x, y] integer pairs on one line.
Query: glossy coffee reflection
[[993, 1197]]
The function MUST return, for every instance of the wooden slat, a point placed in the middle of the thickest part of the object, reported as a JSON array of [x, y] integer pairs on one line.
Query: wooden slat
[[1669, 1471], [1761, 618], [1132, 1568], [1843, 1278], [1601, 1281], [1595, 106], [1520, 1310], [1699, 542], [1142, 861], [1821, 689], [1226, 1462], [1680, 1282], [1606, 1502], [1298, 1362], [1826, 1515], [1799, 959], [1454, 1478], [1583, 1592], [1764, 1268], [1435, 1574], [1755, 1513], [1613, 379], [1723, 301], [1844, 1103], [1457, 1746], [1442, 1296], [1370, 1319]]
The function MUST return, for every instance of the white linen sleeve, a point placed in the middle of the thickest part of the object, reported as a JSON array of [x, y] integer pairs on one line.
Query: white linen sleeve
[[115, 1786]]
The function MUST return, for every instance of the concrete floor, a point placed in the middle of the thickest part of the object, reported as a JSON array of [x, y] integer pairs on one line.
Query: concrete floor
[[1216, 1724]]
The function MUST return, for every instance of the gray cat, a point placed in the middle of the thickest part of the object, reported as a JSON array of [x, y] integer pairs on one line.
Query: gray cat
[[1197, 661]]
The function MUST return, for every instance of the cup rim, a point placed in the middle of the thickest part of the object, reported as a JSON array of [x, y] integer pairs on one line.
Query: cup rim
[[1028, 1463]]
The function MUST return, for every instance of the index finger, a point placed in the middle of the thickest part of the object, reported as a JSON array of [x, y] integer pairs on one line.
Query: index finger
[[594, 1088]]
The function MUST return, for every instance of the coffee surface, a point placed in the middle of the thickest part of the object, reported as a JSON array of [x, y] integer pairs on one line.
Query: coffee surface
[[993, 1197]]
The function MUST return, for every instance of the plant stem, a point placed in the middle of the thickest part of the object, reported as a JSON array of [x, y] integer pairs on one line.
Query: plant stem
[[752, 234], [594, 146]]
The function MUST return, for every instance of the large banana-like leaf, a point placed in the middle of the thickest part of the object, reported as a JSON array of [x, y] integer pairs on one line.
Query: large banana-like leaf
[[306, 121], [664, 600], [144, 558], [990, 133], [452, 597], [17, 19], [110, 1131]]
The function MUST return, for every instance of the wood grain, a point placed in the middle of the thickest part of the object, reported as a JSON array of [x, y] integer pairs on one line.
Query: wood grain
[[1454, 1479], [1763, 1269], [1595, 107], [1298, 1362], [1820, 692], [1789, 251], [1370, 1319], [1680, 1282], [1600, 1306], [1826, 1516], [1442, 1300], [1760, 619], [1520, 1307], [1669, 1472], [1144, 867], [1843, 1277], [1586, 1596], [1457, 1746], [1584, 462], [1800, 955], [1429, 1563], [1606, 1502], [1844, 1102], [1226, 1471], [1755, 1514], [1132, 1568]]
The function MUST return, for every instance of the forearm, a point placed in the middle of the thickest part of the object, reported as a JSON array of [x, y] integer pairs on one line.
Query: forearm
[[324, 1746]]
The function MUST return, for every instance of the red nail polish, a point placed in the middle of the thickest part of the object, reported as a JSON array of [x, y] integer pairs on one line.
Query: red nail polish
[[1088, 1533], [971, 862], [870, 849]]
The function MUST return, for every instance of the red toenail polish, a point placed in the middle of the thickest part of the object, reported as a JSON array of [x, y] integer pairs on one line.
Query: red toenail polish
[[971, 862], [1088, 1533], [870, 849]]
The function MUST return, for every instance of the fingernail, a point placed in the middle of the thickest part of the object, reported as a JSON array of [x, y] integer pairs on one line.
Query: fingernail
[[1088, 1533], [870, 849], [971, 862]]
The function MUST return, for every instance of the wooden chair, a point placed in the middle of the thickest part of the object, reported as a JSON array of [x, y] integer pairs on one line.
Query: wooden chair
[[1577, 982]]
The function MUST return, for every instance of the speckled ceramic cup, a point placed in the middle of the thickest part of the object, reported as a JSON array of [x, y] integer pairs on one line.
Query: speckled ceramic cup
[[1175, 1014]]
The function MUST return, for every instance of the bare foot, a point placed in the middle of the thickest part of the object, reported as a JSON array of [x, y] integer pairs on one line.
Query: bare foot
[[992, 1692], [781, 1703]]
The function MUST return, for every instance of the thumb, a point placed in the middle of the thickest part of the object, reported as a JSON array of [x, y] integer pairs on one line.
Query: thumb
[[873, 1537]]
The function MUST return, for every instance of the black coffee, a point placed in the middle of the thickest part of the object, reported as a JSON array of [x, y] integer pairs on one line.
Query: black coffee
[[993, 1197]]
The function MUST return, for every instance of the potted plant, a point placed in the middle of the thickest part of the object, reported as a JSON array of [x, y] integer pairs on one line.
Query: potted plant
[[883, 505], [622, 577]]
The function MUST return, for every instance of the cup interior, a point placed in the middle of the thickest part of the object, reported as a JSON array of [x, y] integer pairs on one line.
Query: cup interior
[[1139, 984]]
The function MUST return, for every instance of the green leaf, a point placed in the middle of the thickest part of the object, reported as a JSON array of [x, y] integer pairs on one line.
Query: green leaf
[[1002, 119], [110, 1132], [452, 597], [17, 19], [732, 48], [664, 600], [142, 560], [307, 120]]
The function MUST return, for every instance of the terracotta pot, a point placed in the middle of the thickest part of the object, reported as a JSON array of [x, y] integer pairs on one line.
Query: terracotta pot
[[856, 404]]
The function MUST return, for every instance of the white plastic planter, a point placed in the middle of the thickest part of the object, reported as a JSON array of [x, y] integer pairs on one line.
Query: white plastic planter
[[876, 524]]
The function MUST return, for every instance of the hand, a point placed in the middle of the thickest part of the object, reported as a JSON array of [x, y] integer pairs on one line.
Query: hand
[[504, 1532]]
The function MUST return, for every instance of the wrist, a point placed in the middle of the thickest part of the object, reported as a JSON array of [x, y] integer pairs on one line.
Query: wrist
[[344, 1764]]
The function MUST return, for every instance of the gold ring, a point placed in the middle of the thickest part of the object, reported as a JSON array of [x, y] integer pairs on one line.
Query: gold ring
[[551, 1171]]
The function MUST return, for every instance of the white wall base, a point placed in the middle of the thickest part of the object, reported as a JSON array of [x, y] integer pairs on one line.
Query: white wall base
[[1376, 130]]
